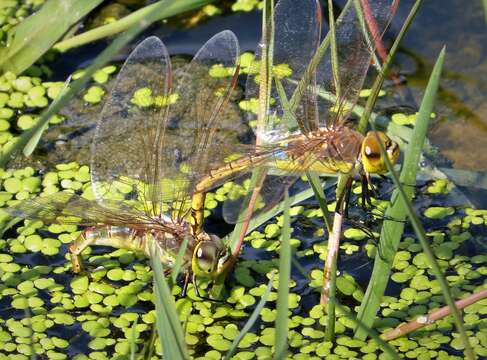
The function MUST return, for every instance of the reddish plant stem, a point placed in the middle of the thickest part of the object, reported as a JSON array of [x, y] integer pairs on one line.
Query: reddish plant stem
[[433, 316], [331, 257], [248, 216], [374, 29]]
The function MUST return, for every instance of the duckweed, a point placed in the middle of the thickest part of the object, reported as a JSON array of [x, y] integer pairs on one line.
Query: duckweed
[[120, 281]]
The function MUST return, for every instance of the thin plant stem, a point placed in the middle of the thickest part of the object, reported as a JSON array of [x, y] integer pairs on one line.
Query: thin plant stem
[[433, 316], [120, 25]]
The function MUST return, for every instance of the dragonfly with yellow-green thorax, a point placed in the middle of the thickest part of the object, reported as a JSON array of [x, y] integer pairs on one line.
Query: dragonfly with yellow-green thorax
[[311, 101], [153, 142]]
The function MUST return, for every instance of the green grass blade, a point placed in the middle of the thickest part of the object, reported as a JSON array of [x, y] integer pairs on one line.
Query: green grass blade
[[251, 321], [102, 59], [282, 306], [423, 117], [315, 183], [179, 259], [169, 327], [133, 340], [484, 3], [378, 282], [365, 31], [172, 8], [379, 80], [392, 229], [388, 349], [333, 51], [12, 222], [36, 34]]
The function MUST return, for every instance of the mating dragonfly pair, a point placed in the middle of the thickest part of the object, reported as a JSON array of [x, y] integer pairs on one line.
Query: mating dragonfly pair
[[158, 147]]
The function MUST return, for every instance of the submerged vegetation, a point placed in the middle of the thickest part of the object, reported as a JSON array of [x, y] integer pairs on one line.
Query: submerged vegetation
[[268, 304]]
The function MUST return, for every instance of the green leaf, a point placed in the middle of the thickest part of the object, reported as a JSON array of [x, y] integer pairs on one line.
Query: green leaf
[[169, 327], [251, 321], [128, 21], [36, 34], [163, 9], [282, 326]]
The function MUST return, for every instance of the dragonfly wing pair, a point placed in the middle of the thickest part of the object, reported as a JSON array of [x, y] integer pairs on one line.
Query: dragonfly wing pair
[[153, 140], [310, 101], [160, 135]]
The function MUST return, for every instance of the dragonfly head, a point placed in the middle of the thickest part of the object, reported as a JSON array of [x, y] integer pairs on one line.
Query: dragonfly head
[[372, 158], [209, 256]]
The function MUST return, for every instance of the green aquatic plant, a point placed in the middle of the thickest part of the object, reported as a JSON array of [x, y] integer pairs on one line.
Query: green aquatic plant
[[113, 310], [31, 38]]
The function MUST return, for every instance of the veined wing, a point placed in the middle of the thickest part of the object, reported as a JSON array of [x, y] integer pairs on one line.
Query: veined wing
[[204, 127], [127, 150], [297, 28], [68, 208], [358, 30]]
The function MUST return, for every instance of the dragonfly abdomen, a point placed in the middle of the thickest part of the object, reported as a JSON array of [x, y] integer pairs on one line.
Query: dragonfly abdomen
[[107, 235], [137, 240]]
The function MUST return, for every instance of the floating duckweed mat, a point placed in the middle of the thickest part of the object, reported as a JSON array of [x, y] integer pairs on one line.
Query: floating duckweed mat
[[13, 12], [49, 310]]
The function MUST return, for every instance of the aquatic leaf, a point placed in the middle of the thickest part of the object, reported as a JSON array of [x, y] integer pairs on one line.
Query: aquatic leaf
[[35, 35], [283, 290], [163, 8]]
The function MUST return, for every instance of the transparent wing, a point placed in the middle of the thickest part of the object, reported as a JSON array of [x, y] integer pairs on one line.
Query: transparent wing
[[270, 194], [68, 208], [205, 125], [127, 146], [357, 32], [297, 27], [296, 36]]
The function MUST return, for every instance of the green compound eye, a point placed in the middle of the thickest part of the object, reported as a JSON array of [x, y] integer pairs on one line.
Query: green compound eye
[[206, 256]]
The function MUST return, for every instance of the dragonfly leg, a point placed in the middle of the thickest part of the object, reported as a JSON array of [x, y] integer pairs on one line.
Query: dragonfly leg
[[186, 283], [81, 243], [348, 193], [197, 212], [195, 285]]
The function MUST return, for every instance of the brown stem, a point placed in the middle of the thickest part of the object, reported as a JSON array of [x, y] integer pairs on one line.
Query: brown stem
[[332, 254], [433, 316], [374, 29], [248, 215]]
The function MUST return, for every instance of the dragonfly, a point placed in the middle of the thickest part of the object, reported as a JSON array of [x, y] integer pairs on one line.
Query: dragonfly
[[158, 133], [306, 127]]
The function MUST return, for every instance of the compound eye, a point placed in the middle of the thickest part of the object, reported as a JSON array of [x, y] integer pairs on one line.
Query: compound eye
[[371, 154], [206, 256]]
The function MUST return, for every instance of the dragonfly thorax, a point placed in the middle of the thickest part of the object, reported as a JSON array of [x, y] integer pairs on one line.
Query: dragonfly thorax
[[335, 149]]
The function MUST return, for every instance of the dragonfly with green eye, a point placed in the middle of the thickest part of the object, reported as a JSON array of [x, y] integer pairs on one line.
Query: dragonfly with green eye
[[152, 143], [306, 126]]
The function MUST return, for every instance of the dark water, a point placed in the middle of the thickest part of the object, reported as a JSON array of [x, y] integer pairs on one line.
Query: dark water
[[460, 128]]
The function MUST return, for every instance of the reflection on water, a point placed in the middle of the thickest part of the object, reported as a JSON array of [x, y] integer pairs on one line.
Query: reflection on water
[[461, 125], [460, 129]]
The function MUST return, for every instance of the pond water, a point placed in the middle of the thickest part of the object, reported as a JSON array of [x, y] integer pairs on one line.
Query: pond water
[[94, 313], [460, 127]]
